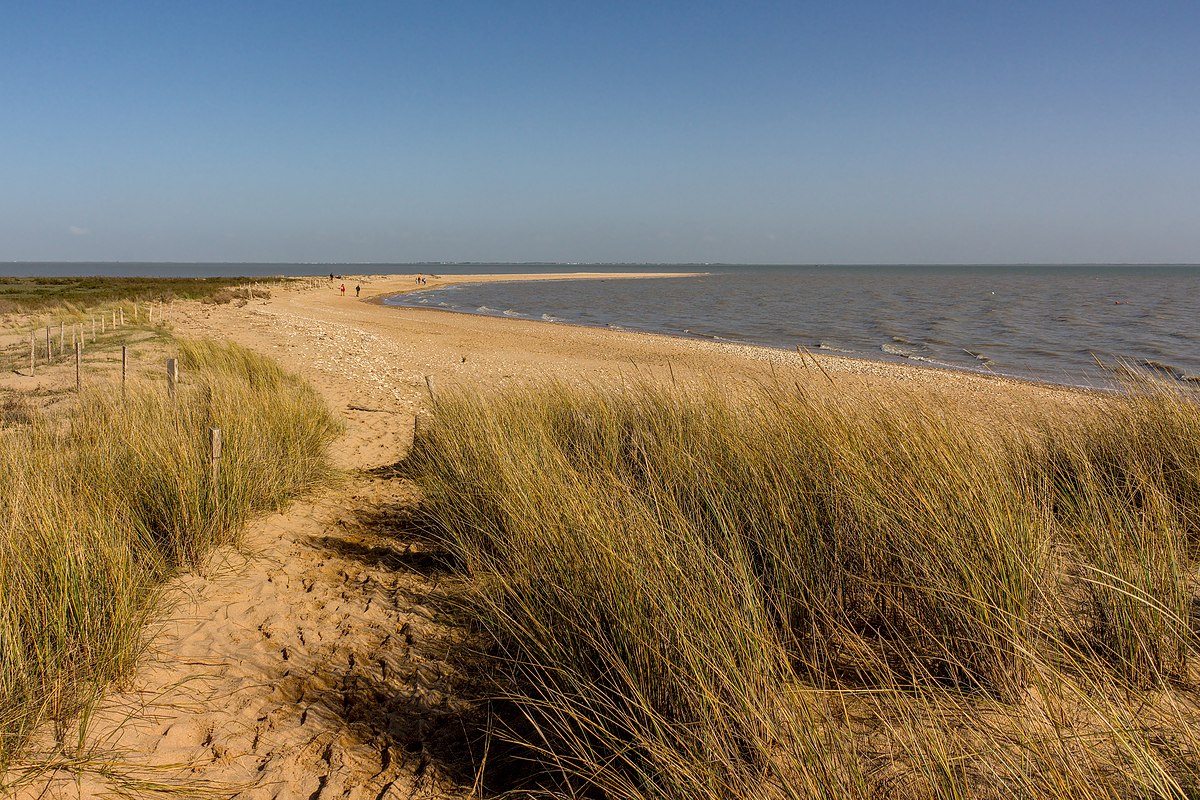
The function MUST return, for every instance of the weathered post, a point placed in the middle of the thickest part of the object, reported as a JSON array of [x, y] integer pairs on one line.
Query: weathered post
[[49, 348], [124, 366], [78, 359], [62, 338], [172, 376], [214, 452], [150, 313], [93, 329], [114, 319], [122, 316]]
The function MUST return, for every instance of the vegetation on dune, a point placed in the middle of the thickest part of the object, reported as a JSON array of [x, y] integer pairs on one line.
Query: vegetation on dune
[[788, 595], [98, 507], [38, 294]]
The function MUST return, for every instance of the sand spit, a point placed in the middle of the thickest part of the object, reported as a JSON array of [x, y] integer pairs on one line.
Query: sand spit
[[319, 661]]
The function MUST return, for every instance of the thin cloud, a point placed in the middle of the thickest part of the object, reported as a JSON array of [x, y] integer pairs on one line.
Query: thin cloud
[[77, 231]]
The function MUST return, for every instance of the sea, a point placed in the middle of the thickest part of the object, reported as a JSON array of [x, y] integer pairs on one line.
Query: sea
[[1074, 325], [1066, 324]]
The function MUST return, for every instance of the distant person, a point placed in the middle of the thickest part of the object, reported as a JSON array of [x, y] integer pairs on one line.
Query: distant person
[[331, 277], [357, 289], [343, 290]]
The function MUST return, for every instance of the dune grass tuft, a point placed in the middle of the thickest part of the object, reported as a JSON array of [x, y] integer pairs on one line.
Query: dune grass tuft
[[97, 509], [784, 594]]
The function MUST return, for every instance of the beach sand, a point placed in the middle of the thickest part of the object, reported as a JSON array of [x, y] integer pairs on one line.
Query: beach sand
[[317, 661]]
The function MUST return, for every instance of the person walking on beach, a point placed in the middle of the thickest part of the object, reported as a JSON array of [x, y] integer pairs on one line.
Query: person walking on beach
[[357, 289], [343, 290]]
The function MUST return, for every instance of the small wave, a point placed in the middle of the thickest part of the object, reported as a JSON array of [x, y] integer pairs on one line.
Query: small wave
[[703, 335], [892, 350], [510, 313], [425, 300], [1159, 366], [832, 349], [549, 318], [485, 310]]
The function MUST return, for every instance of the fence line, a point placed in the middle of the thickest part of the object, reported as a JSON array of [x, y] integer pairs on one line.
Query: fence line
[[56, 351]]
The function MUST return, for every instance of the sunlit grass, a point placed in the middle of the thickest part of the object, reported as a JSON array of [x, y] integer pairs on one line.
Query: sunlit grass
[[101, 504], [779, 594]]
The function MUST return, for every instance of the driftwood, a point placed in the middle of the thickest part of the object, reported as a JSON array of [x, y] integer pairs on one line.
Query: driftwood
[[375, 410]]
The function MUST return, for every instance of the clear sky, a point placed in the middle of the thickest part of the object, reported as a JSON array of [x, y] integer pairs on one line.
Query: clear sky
[[565, 130]]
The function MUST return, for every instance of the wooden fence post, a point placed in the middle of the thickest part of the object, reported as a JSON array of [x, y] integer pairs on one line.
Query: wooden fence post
[[78, 359], [150, 313], [49, 349], [122, 316], [172, 376], [62, 338]]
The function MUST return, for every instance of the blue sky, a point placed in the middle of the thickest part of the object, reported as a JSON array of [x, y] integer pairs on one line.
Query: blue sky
[[882, 132]]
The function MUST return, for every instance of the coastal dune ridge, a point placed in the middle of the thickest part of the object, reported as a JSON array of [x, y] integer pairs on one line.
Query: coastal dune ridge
[[568, 559]]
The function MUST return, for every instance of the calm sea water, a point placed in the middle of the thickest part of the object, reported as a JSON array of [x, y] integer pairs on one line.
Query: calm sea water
[[1050, 323]]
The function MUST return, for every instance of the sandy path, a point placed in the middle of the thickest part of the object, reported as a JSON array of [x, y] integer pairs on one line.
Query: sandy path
[[317, 662]]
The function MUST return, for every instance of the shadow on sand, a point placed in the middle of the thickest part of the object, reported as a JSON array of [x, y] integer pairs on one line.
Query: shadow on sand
[[423, 698]]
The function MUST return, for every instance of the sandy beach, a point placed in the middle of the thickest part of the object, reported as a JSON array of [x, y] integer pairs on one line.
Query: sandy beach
[[316, 662]]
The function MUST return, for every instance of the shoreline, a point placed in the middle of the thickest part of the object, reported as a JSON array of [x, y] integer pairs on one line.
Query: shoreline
[[446, 281], [743, 348]]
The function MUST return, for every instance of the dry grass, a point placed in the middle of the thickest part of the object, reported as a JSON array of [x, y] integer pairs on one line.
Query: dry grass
[[785, 595], [97, 509], [62, 295], [243, 293]]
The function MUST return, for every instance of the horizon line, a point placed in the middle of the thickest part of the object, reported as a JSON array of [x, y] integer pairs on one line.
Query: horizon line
[[650, 263]]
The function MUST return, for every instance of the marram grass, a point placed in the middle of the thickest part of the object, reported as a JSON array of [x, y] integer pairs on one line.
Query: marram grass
[[98, 508], [694, 595]]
